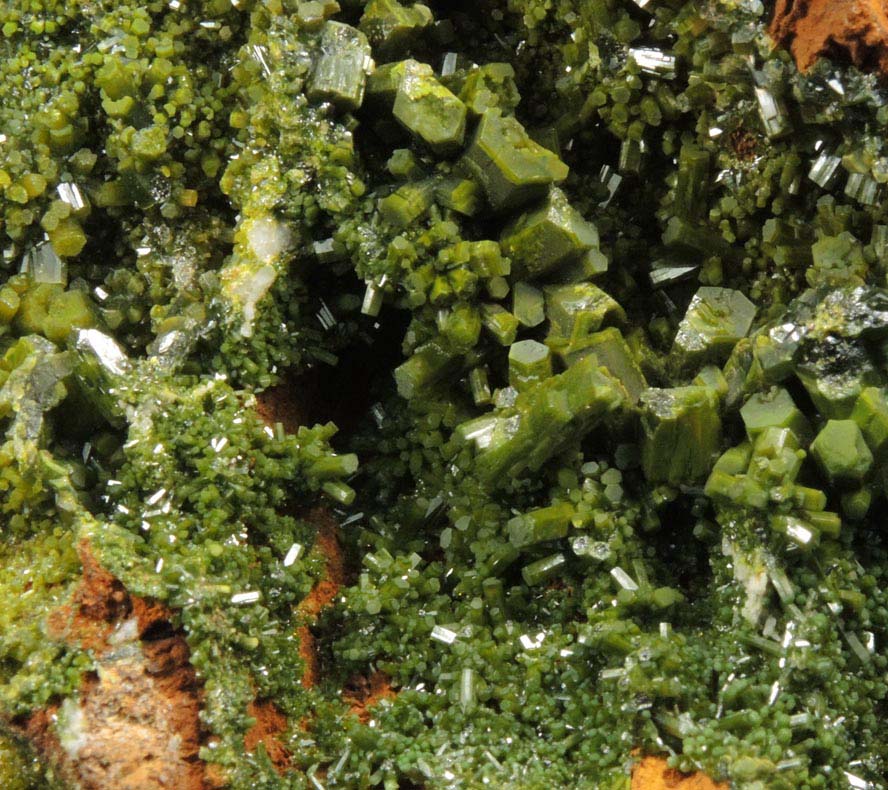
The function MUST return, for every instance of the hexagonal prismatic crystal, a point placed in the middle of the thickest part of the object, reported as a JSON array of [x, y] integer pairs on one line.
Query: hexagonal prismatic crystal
[[529, 362], [391, 26], [773, 409], [870, 412], [548, 237], [341, 69], [841, 451], [715, 320], [682, 431], [835, 371], [429, 111], [512, 168], [575, 311]]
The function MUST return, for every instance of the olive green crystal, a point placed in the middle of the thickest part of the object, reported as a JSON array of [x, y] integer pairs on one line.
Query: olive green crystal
[[512, 169]]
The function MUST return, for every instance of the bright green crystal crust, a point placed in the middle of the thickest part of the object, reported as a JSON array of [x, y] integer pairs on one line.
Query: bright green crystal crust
[[596, 291]]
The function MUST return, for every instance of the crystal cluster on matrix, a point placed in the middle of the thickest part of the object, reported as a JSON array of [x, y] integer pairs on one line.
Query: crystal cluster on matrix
[[443, 395]]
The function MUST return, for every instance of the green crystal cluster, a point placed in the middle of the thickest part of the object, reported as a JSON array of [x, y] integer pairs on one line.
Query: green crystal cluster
[[597, 292]]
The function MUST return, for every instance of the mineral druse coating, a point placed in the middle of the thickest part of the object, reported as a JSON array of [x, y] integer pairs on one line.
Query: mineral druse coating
[[443, 395]]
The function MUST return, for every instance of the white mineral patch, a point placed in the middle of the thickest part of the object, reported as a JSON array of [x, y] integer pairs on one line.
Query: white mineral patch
[[71, 728], [249, 291], [752, 573], [127, 631], [268, 238]]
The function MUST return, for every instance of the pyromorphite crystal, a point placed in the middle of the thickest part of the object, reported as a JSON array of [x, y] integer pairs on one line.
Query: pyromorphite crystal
[[774, 408], [512, 168], [575, 311], [838, 260], [612, 352], [101, 368], [715, 320], [841, 451], [429, 111], [574, 516], [528, 304], [500, 323], [53, 312], [682, 430], [342, 67], [488, 86], [382, 84], [9, 304], [529, 361], [406, 204], [544, 418], [870, 412], [541, 570], [688, 237], [548, 237], [776, 457], [428, 364], [391, 26], [536, 526], [834, 372], [692, 182]]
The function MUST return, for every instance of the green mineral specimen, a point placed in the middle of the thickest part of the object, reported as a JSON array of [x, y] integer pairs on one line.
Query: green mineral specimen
[[548, 237], [576, 311], [715, 320], [682, 430], [529, 362], [391, 26], [490, 86], [428, 110], [870, 412], [774, 408], [545, 546], [512, 169], [841, 451], [340, 72]]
